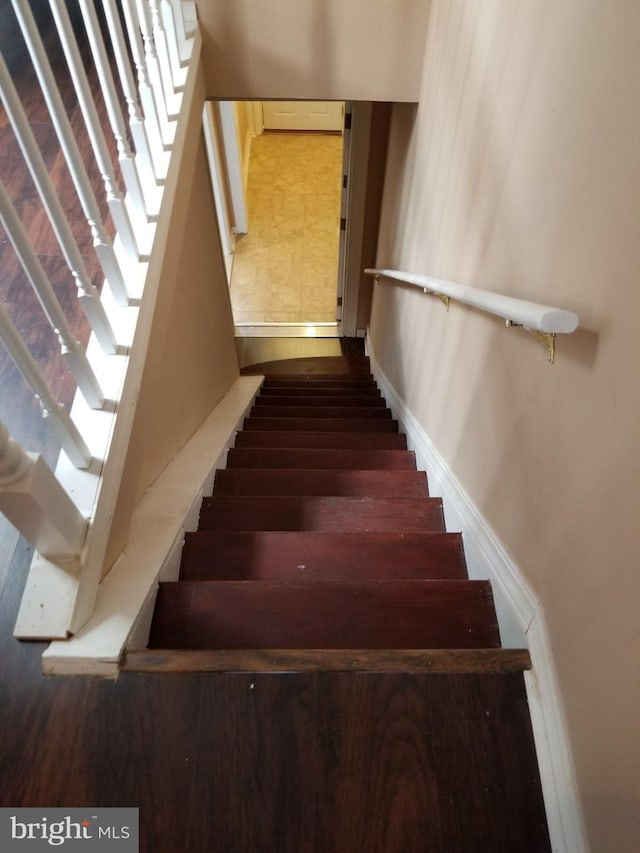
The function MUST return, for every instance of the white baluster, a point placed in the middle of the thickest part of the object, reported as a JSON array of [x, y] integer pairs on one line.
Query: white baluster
[[143, 156], [152, 115], [65, 430], [70, 349], [87, 294], [178, 72], [178, 21], [115, 199], [101, 240], [161, 95], [162, 48], [36, 504], [116, 119]]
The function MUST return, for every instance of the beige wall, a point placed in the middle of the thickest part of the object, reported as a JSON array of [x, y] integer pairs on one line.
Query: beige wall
[[191, 360], [313, 49], [522, 175]]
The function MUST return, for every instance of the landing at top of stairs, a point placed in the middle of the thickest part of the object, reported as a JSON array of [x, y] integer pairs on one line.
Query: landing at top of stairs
[[331, 365]]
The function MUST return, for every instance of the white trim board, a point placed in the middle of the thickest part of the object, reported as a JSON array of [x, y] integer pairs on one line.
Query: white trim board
[[126, 597], [521, 621]]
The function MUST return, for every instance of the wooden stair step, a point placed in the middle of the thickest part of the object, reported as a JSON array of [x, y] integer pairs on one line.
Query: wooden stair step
[[276, 555], [320, 424], [324, 365], [281, 411], [296, 392], [419, 515], [319, 378], [319, 383], [325, 401], [320, 440], [325, 458], [467, 661], [427, 614], [346, 483]]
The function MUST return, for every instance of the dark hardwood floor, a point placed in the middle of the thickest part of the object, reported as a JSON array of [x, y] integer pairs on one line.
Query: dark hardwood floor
[[217, 762]]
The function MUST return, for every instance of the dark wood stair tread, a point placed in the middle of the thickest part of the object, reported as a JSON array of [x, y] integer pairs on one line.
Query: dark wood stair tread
[[340, 483], [319, 440], [295, 555], [327, 458], [346, 383], [292, 411], [393, 614], [320, 424], [322, 513], [321, 401], [328, 660], [295, 392]]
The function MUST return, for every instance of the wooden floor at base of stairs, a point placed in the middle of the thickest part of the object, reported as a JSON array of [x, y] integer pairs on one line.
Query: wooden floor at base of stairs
[[328, 660]]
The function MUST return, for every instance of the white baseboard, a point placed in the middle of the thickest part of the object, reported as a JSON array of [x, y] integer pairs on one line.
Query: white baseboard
[[124, 605], [521, 621]]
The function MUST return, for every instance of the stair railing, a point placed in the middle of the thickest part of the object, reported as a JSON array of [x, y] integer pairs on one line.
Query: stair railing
[[141, 62], [543, 322]]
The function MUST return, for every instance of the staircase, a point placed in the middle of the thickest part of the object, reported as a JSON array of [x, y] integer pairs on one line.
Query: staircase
[[356, 696], [321, 540]]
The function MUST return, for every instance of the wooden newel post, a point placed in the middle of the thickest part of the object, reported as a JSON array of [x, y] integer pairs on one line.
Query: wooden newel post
[[37, 505]]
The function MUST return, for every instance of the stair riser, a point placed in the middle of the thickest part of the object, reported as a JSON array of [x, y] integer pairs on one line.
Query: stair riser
[[318, 424], [376, 484], [385, 615], [322, 440], [212, 555], [322, 514], [328, 459]]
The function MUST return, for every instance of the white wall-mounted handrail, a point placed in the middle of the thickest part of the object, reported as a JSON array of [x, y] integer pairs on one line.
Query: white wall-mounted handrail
[[543, 322], [531, 315]]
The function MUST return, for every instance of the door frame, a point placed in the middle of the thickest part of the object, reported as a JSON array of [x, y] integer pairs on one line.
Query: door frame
[[226, 172], [218, 175], [353, 219]]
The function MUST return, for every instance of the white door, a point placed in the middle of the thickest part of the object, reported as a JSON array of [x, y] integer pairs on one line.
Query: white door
[[303, 115]]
